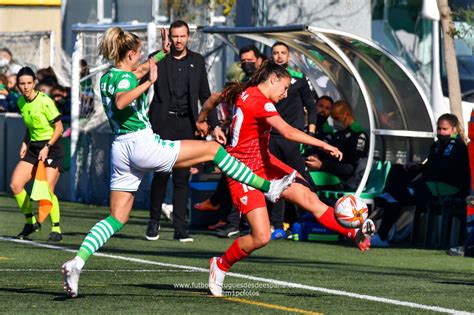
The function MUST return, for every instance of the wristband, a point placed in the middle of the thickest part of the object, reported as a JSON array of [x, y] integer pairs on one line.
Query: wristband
[[48, 145], [159, 56]]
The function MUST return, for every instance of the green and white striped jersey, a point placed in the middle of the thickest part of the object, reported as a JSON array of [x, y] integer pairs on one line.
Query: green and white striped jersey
[[132, 118]]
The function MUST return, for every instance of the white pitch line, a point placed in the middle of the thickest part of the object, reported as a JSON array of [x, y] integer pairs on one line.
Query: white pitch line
[[258, 279], [99, 270]]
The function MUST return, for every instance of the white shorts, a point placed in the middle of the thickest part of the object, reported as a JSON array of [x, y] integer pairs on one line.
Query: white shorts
[[139, 152]]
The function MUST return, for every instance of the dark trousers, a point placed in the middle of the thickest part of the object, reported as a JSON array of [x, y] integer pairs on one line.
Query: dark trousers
[[222, 196], [177, 129], [289, 153], [399, 180]]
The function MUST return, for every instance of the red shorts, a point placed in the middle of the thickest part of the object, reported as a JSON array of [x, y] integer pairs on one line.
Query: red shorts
[[247, 198]]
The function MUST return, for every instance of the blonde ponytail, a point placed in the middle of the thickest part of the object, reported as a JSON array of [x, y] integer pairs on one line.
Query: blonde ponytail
[[116, 43]]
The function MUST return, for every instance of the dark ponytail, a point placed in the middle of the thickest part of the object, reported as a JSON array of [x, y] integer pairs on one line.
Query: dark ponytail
[[233, 90]]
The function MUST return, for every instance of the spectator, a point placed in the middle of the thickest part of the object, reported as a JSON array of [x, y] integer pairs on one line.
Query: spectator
[[292, 109], [86, 92], [7, 63], [13, 94], [61, 98], [47, 76], [3, 93], [351, 139], [181, 83], [45, 86], [447, 162], [323, 111]]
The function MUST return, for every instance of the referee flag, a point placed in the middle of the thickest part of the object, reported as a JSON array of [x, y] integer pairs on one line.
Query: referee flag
[[41, 192]]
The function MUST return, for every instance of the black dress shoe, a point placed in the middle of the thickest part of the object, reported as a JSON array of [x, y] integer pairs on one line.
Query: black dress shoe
[[183, 237], [153, 231]]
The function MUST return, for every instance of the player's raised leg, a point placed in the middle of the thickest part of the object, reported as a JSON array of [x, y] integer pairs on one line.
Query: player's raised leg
[[193, 152], [302, 196]]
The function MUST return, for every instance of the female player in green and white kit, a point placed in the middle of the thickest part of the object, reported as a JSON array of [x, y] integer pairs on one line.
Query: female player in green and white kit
[[137, 150]]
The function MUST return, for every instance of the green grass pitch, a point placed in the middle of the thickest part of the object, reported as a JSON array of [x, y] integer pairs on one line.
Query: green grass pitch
[[138, 276]]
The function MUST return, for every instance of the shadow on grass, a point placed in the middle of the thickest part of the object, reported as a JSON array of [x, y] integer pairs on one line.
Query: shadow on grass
[[58, 296], [170, 287]]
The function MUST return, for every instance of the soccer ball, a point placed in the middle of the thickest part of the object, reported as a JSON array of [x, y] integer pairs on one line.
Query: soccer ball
[[350, 211]]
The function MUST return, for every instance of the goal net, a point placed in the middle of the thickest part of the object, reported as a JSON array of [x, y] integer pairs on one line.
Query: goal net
[[37, 50], [90, 132]]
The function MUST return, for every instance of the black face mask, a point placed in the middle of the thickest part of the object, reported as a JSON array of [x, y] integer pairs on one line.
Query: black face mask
[[443, 138], [249, 68], [320, 120]]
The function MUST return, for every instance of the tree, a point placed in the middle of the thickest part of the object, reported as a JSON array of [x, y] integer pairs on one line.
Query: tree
[[454, 87], [193, 10]]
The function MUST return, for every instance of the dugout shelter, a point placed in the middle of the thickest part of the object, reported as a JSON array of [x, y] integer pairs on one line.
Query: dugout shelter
[[385, 97]]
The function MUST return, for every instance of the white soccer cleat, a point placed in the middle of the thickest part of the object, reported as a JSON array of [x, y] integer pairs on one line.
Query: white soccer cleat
[[278, 186], [368, 227], [364, 234], [71, 270], [216, 277]]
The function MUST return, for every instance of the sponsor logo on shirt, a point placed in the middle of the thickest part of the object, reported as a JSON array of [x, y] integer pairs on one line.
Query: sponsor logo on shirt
[[269, 107], [244, 200], [124, 84]]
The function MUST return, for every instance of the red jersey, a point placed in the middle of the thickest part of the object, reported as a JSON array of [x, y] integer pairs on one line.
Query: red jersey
[[250, 130]]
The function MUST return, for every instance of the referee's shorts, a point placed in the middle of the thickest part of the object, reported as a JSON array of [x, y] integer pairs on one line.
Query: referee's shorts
[[55, 157]]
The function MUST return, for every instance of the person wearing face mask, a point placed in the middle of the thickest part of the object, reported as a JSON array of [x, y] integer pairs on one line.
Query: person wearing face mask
[[447, 162], [351, 139], [7, 65], [250, 60]]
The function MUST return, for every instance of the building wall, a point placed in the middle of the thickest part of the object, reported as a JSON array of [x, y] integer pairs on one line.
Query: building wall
[[31, 18], [353, 16]]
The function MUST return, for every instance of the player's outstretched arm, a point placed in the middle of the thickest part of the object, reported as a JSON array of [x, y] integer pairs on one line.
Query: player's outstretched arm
[[293, 134]]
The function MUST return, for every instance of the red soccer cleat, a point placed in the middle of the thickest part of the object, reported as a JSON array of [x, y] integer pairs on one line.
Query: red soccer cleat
[[216, 226], [206, 205]]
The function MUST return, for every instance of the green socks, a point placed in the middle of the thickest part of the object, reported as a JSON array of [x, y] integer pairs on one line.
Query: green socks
[[238, 171], [54, 215], [98, 236], [23, 201]]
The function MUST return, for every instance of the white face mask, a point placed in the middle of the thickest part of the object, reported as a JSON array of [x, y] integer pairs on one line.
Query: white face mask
[[338, 125], [3, 62]]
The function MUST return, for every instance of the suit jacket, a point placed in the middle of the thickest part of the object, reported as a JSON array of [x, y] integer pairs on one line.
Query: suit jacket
[[198, 91]]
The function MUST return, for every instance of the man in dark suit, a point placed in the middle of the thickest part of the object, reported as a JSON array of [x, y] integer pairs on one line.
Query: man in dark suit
[[182, 82]]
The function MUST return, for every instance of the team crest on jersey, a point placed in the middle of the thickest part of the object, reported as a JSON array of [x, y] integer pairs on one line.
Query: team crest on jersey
[[269, 107], [244, 200], [124, 84]]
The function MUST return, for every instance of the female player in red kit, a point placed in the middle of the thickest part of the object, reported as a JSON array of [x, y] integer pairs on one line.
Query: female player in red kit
[[254, 116]]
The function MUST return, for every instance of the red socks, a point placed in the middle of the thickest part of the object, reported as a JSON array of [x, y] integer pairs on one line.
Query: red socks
[[328, 220], [233, 254]]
